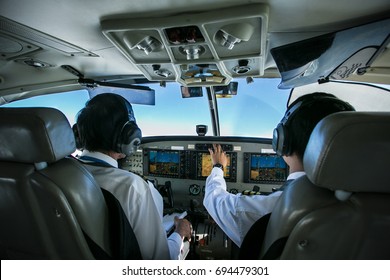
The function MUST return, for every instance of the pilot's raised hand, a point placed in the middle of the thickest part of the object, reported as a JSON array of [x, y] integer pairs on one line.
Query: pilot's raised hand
[[184, 228], [218, 155]]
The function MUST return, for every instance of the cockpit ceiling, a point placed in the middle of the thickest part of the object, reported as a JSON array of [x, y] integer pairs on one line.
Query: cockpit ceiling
[[114, 41]]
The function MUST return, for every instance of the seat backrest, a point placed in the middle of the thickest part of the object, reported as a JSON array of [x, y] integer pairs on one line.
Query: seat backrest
[[341, 208], [49, 202]]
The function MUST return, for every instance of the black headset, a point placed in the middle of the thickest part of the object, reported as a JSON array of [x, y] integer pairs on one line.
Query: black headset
[[77, 139], [281, 142], [127, 136]]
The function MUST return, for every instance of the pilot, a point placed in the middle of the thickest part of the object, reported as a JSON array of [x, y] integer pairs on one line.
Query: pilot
[[108, 132], [235, 214]]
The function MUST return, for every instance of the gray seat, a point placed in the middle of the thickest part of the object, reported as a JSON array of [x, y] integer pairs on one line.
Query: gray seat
[[341, 208], [49, 202]]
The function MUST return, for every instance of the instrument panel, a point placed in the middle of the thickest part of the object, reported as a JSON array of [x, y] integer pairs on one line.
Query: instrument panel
[[184, 163], [179, 166]]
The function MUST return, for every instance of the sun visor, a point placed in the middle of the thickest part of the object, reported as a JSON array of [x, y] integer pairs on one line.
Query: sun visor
[[133, 94], [333, 56], [363, 97]]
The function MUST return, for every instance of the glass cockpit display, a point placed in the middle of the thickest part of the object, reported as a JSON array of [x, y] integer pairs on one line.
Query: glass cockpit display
[[182, 164], [205, 165], [264, 168], [166, 163]]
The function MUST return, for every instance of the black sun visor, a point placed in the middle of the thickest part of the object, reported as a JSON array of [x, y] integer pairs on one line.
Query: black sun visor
[[333, 56]]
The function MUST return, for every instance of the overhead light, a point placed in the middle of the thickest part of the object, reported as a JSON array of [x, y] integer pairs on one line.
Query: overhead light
[[230, 35], [192, 51], [34, 62], [142, 42], [227, 40], [149, 44]]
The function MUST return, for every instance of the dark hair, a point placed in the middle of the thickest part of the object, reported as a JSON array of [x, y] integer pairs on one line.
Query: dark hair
[[314, 108], [101, 120]]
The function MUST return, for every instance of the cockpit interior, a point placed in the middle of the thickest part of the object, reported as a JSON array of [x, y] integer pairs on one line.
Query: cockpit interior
[[196, 73]]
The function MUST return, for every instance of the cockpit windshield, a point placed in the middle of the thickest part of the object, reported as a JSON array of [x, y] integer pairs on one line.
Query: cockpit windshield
[[253, 111]]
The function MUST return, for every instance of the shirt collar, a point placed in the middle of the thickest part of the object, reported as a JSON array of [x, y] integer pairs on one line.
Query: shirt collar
[[295, 175], [100, 156]]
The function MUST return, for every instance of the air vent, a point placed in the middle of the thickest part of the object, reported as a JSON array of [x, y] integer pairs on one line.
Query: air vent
[[242, 67], [164, 73]]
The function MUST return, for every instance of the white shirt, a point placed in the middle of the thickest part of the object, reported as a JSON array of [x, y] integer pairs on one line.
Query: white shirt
[[236, 213], [135, 197], [175, 242]]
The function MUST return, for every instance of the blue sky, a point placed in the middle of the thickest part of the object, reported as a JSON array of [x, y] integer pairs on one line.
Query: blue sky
[[254, 111], [70, 103]]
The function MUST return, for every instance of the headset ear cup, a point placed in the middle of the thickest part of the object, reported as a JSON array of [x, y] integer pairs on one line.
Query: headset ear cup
[[279, 140], [77, 138], [275, 139], [129, 138]]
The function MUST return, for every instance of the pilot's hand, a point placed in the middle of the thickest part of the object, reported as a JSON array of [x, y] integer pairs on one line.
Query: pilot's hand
[[184, 228], [218, 155]]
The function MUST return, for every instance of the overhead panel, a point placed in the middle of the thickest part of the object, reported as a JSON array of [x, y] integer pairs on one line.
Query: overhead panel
[[194, 49]]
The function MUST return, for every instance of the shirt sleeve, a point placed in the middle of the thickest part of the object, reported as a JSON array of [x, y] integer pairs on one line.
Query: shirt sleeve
[[234, 214], [175, 244]]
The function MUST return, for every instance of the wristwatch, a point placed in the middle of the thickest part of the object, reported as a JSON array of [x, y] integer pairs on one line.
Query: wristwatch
[[218, 165]]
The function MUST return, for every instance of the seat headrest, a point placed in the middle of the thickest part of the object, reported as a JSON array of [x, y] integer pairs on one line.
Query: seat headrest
[[34, 135], [350, 151]]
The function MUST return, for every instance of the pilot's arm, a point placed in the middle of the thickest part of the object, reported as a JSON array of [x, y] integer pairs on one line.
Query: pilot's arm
[[234, 214]]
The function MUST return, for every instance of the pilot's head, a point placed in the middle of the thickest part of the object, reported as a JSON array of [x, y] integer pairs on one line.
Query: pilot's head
[[293, 132], [107, 123]]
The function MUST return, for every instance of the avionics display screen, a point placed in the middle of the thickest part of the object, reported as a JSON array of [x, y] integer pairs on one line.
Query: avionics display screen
[[205, 165], [165, 163], [267, 168]]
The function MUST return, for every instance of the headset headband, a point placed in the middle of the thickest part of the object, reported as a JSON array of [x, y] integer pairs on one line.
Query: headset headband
[[281, 141], [291, 112]]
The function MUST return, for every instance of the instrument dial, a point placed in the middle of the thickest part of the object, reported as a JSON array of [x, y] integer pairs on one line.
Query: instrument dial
[[195, 189]]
